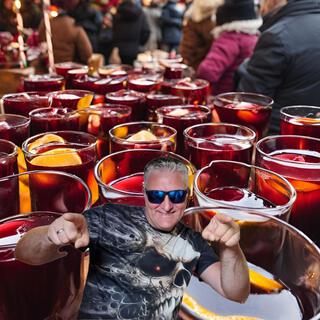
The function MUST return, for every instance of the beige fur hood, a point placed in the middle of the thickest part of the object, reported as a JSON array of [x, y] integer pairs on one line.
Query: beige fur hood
[[202, 9]]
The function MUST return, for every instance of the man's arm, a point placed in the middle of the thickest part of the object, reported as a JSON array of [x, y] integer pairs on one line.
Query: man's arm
[[230, 276], [41, 245]]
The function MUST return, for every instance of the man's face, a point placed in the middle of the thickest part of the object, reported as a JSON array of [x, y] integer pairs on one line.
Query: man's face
[[166, 215]]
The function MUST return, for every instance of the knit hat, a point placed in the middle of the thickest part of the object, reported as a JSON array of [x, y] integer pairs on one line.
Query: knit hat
[[235, 10]]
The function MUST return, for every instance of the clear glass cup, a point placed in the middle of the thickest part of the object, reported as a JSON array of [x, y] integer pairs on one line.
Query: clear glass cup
[[192, 91], [135, 100], [24, 102], [14, 128], [99, 119], [69, 151], [115, 70], [42, 190], [283, 284], [73, 75], [8, 158], [218, 141], [182, 117], [36, 199], [143, 82], [300, 120], [44, 82], [62, 68], [247, 109], [239, 185], [120, 175], [297, 158], [73, 99], [157, 100], [53, 119], [142, 135]]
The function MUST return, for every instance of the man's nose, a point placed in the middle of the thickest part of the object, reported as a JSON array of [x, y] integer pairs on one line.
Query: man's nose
[[167, 204]]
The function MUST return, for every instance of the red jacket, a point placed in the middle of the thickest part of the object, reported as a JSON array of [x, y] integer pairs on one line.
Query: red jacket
[[227, 52]]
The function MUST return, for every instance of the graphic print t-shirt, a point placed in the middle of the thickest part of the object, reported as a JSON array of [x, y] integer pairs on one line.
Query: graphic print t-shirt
[[136, 271]]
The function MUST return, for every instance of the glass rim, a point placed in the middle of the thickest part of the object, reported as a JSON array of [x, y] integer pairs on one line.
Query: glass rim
[[13, 96], [221, 97], [70, 113], [68, 62], [39, 135], [222, 203], [85, 92], [190, 166], [146, 123], [14, 146], [61, 173], [204, 84], [304, 165], [105, 105], [15, 116], [264, 216], [251, 138], [52, 77], [137, 95], [83, 70], [159, 111], [284, 111]]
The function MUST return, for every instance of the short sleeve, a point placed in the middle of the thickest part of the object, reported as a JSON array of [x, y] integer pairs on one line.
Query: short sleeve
[[207, 254]]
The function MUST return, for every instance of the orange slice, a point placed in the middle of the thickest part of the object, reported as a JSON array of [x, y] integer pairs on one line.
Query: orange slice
[[121, 132], [206, 314], [60, 157], [304, 186], [306, 120], [84, 102], [264, 283], [143, 135], [47, 138]]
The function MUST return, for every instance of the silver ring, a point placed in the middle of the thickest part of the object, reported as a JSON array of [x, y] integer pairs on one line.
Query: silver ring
[[59, 231]]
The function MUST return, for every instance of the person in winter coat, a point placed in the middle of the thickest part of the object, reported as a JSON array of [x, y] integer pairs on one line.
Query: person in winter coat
[[171, 25], [86, 16], [8, 19], [70, 42], [130, 30], [234, 40], [200, 19], [285, 63]]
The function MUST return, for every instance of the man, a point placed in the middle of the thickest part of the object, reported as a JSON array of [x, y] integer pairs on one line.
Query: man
[[142, 258], [285, 63]]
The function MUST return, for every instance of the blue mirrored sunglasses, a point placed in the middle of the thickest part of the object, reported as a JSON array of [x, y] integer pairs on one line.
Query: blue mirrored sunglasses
[[175, 196]]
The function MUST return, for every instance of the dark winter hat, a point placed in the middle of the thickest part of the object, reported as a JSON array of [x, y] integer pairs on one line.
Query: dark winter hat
[[233, 10]]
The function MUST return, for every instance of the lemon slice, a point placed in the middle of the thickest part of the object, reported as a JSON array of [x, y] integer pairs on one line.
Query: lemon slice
[[84, 102], [178, 112], [60, 157], [143, 135], [263, 282], [47, 138], [206, 314]]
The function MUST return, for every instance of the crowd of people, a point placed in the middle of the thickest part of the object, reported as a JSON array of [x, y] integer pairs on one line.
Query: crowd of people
[[266, 46]]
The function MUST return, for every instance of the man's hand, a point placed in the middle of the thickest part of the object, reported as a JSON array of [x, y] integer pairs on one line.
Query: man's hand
[[70, 228], [223, 229]]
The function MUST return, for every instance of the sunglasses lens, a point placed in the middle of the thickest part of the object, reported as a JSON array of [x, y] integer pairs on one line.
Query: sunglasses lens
[[155, 196], [177, 196]]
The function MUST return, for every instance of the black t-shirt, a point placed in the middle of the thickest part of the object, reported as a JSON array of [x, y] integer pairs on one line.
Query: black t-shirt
[[136, 271]]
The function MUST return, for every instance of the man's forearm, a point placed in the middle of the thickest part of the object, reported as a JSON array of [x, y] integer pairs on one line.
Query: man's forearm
[[234, 273], [35, 248]]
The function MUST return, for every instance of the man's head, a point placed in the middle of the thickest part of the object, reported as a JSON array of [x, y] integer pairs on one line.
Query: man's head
[[165, 192]]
